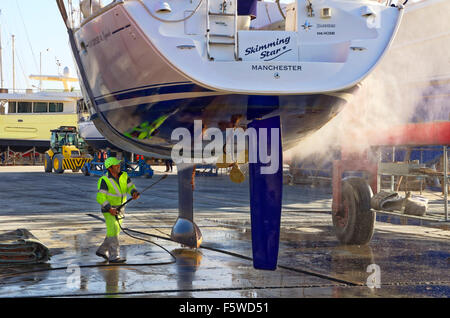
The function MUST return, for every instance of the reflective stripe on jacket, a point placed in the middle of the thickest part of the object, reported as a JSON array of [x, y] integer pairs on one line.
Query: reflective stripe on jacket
[[116, 193]]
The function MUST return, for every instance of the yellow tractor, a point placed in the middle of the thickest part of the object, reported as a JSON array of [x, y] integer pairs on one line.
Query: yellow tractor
[[65, 151]]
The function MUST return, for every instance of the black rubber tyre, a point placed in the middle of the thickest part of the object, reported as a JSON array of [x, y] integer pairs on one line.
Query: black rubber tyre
[[58, 163], [48, 164], [355, 222]]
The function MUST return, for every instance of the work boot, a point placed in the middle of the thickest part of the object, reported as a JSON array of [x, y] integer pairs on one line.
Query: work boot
[[119, 260], [102, 255], [114, 248], [102, 251]]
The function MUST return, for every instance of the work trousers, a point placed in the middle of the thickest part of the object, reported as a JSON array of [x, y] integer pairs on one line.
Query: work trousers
[[110, 246]]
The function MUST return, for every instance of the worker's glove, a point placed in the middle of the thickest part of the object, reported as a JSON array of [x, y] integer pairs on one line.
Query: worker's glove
[[136, 195], [113, 211]]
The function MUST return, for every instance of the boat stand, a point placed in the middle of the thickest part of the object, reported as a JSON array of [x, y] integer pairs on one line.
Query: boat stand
[[185, 231]]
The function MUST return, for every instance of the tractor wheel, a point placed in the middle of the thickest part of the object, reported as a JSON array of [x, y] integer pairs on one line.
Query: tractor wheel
[[58, 163], [355, 221], [48, 164]]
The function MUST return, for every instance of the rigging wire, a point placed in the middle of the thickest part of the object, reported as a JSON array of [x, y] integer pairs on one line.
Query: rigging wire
[[280, 9], [19, 59], [5, 26], [28, 38]]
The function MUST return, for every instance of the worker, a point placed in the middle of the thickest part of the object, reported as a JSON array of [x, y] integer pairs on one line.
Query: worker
[[112, 193], [169, 165]]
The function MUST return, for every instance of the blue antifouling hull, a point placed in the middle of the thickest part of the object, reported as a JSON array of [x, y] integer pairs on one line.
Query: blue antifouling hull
[[265, 201]]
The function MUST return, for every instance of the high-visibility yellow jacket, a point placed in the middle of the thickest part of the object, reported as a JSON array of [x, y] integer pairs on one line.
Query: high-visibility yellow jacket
[[113, 192]]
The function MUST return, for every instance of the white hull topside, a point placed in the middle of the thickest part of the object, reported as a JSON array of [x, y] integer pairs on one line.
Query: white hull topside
[[140, 69], [414, 40], [316, 55]]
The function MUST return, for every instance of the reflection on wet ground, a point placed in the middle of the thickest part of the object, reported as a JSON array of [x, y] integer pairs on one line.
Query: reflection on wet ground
[[403, 260], [311, 265]]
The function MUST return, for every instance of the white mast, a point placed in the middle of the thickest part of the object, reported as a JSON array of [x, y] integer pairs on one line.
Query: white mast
[[14, 63]]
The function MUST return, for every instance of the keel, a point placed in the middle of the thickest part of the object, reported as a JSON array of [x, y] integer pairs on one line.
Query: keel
[[265, 199]]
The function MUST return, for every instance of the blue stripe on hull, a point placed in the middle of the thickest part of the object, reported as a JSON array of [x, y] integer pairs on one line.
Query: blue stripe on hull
[[128, 90], [151, 91]]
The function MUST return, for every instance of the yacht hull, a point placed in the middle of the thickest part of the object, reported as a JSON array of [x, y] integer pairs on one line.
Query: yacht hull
[[22, 145], [149, 126], [134, 88], [141, 87]]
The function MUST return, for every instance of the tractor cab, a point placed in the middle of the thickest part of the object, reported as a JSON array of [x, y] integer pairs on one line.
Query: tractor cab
[[64, 137], [65, 150]]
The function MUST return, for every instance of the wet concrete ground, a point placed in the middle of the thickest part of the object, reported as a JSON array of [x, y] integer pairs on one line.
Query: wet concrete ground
[[413, 261]]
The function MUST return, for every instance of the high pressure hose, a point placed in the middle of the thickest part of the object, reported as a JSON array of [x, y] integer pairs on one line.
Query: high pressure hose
[[107, 264], [138, 238], [303, 271], [148, 241]]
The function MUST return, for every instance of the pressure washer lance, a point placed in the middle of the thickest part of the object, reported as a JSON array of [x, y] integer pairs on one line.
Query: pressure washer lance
[[131, 199]]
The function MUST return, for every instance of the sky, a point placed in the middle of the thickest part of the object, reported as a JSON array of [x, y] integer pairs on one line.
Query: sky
[[37, 26]]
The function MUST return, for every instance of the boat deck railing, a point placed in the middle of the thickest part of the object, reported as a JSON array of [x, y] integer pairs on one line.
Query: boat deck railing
[[24, 91], [76, 17]]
